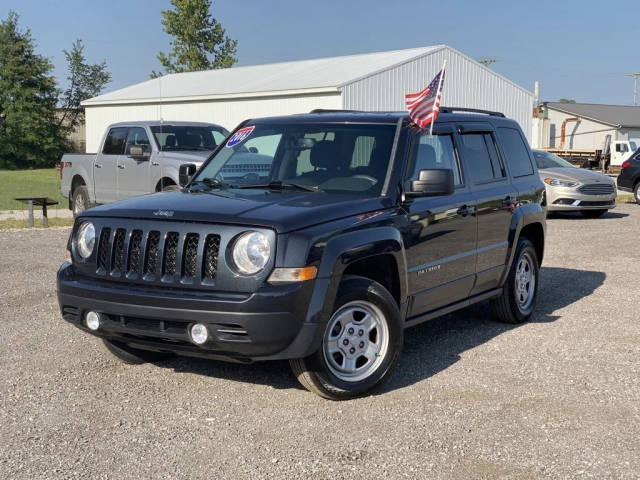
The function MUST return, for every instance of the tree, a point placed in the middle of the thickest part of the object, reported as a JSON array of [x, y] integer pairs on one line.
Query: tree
[[85, 81], [29, 133], [200, 42], [566, 100]]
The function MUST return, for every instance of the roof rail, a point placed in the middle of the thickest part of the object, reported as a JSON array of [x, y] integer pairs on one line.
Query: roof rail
[[470, 110], [335, 110]]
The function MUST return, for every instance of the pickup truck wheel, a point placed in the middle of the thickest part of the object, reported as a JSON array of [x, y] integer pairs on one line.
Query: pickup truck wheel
[[361, 344], [170, 188], [593, 213], [80, 200], [133, 356], [519, 294]]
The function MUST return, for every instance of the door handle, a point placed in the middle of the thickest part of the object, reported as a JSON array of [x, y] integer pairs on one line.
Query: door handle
[[121, 166], [97, 165], [155, 164]]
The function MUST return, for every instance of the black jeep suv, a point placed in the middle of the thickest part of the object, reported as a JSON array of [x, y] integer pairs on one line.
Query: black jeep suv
[[363, 226], [629, 178]]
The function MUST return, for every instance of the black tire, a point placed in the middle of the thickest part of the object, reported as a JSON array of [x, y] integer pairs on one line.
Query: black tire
[[315, 372], [593, 213], [636, 192], [133, 356], [170, 188], [80, 200], [507, 308]]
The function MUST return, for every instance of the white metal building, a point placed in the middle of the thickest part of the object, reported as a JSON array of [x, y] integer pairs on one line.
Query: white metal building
[[587, 124], [374, 81]]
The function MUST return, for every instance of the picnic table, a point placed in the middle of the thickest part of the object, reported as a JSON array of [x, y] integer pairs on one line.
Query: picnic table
[[43, 202]]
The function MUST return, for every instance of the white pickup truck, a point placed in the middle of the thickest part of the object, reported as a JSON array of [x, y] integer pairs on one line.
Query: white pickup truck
[[135, 158]]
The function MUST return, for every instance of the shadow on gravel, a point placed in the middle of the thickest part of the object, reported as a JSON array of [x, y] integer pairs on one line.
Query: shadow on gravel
[[434, 346], [578, 216], [429, 348]]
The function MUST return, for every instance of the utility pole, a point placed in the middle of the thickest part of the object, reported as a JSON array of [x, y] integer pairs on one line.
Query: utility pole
[[635, 76], [487, 61]]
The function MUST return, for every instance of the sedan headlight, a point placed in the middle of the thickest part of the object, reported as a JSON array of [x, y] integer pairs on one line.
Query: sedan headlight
[[85, 240], [251, 252], [556, 182]]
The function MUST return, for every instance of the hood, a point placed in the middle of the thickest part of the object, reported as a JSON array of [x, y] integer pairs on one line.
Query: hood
[[194, 156], [581, 175], [283, 211]]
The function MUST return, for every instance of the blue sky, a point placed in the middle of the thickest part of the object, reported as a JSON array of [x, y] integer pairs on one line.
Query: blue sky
[[576, 49]]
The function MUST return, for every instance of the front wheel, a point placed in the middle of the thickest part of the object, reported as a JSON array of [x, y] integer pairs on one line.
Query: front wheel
[[636, 193], [520, 291], [361, 344], [593, 213]]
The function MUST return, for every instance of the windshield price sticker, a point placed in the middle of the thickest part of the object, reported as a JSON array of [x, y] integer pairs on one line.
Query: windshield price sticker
[[240, 136]]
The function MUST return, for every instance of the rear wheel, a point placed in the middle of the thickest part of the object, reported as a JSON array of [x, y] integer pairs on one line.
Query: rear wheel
[[593, 213], [520, 291], [361, 344], [80, 200], [133, 356]]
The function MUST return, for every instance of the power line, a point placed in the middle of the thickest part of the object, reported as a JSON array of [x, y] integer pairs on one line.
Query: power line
[[635, 76]]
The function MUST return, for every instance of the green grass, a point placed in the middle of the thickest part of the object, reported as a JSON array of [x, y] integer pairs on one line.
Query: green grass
[[626, 198], [30, 183], [37, 223]]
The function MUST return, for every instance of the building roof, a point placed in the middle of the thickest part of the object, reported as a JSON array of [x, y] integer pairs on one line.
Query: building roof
[[622, 116], [320, 75]]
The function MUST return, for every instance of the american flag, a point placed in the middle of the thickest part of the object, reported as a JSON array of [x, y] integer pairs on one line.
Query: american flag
[[424, 105]]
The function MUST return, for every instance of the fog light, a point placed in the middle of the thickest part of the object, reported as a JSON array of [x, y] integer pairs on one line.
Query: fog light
[[92, 320], [199, 334]]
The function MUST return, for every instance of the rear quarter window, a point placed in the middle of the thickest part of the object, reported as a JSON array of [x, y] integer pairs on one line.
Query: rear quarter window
[[516, 152]]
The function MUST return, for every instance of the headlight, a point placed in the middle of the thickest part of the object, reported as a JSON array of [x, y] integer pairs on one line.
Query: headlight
[[556, 182], [85, 239], [251, 252]]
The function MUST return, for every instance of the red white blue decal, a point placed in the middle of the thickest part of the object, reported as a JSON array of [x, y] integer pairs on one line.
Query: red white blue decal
[[240, 136]]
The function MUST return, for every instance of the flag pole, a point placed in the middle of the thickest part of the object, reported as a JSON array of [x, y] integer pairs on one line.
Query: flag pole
[[438, 92]]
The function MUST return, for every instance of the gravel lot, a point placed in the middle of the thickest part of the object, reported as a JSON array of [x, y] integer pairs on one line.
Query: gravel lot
[[557, 397]]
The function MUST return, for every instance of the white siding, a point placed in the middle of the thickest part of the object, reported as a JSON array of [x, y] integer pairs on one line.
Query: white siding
[[227, 113], [585, 135], [467, 84]]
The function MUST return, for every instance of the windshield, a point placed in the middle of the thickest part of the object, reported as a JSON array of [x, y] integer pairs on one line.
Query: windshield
[[343, 158], [188, 137], [549, 160]]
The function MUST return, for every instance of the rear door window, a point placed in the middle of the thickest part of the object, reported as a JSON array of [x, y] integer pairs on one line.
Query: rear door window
[[481, 157], [516, 152], [114, 143]]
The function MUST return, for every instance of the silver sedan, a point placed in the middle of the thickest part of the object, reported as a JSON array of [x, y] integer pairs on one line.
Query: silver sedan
[[574, 189]]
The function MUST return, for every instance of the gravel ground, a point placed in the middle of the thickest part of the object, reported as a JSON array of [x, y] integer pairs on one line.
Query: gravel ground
[[557, 397]]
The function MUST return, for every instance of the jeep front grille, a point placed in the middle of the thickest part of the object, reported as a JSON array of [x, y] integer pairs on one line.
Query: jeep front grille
[[155, 255]]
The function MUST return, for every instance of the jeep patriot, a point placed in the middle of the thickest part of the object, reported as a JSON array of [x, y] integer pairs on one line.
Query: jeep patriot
[[359, 226]]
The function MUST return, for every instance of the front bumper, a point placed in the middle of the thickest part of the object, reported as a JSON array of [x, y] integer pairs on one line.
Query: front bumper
[[266, 325], [571, 200]]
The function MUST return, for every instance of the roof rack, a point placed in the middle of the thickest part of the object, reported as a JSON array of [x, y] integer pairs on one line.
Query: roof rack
[[335, 110], [470, 110]]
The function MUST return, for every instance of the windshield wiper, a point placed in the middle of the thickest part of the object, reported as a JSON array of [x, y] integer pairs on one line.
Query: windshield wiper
[[211, 183], [279, 185]]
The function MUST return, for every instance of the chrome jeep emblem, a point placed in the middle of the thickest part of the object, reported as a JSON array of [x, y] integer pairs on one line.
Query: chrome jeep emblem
[[163, 213]]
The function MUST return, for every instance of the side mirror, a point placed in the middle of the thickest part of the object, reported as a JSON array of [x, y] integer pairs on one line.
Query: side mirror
[[138, 153], [185, 173], [432, 182]]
